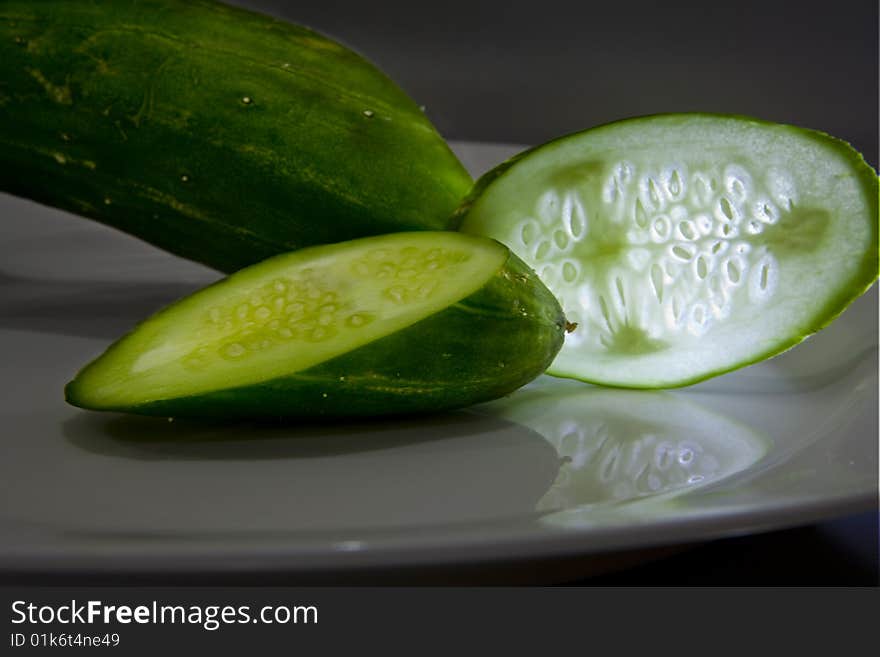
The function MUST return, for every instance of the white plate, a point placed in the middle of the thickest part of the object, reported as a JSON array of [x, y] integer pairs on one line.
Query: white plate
[[558, 468]]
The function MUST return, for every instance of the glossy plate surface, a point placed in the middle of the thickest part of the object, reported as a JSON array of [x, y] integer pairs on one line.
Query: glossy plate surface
[[558, 468]]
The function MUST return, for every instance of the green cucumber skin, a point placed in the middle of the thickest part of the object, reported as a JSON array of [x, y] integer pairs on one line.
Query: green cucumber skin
[[215, 133], [481, 348], [869, 268]]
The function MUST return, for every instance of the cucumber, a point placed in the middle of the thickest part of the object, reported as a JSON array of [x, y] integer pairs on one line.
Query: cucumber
[[685, 245], [402, 323], [215, 133]]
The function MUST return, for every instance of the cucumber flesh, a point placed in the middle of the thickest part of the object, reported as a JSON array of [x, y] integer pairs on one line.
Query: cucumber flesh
[[354, 319], [685, 246]]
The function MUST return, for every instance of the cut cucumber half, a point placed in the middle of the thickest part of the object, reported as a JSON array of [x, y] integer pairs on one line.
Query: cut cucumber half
[[393, 324], [685, 245]]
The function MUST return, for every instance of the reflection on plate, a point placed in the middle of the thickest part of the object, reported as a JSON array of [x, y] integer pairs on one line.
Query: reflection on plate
[[625, 446]]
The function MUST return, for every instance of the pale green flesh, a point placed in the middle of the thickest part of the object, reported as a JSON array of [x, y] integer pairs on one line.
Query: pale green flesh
[[684, 247], [289, 313]]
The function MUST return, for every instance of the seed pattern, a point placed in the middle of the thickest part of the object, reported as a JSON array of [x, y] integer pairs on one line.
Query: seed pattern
[[411, 271], [599, 465], [304, 308], [689, 246], [279, 311]]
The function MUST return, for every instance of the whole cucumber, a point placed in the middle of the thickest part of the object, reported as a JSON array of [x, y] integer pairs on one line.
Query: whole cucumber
[[221, 135]]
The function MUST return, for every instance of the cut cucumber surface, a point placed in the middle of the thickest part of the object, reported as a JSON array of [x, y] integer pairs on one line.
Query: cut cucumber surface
[[685, 246], [400, 323]]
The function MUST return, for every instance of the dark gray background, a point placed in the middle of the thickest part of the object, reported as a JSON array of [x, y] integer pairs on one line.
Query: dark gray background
[[526, 72]]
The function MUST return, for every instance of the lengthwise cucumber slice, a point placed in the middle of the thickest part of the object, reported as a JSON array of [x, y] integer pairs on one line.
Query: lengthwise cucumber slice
[[399, 323], [685, 246]]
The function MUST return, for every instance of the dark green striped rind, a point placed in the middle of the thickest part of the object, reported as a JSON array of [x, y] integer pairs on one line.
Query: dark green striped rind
[[481, 348], [218, 134]]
